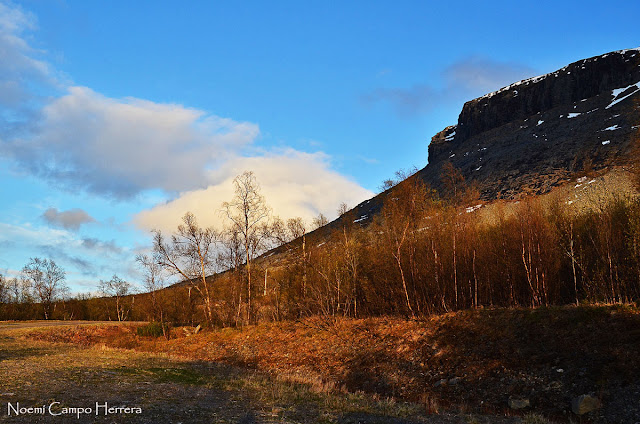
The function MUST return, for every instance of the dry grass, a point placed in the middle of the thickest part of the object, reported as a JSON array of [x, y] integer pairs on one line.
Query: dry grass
[[581, 194], [37, 371], [480, 357]]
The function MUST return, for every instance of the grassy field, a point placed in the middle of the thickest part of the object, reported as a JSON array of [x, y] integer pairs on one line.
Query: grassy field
[[471, 361], [169, 389], [456, 368]]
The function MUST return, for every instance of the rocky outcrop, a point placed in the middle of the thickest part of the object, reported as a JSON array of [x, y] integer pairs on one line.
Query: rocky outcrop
[[572, 84], [533, 134]]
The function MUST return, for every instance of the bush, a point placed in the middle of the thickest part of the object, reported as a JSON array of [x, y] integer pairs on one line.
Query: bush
[[153, 329]]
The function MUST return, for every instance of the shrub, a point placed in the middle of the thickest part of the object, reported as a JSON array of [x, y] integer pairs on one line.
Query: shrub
[[153, 329]]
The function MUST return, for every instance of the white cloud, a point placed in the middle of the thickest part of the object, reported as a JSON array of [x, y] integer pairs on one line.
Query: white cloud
[[81, 257], [293, 183], [27, 234], [22, 74], [121, 147], [84, 141]]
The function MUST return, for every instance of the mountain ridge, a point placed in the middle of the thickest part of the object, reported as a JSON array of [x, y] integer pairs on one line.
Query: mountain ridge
[[535, 134], [544, 128], [516, 154]]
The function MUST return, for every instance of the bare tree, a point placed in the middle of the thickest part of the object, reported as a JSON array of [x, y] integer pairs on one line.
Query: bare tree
[[4, 294], [296, 227], [248, 213], [279, 231], [386, 185], [320, 221], [4, 290], [46, 279], [154, 283], [402, 212], [283, 232], [191, 255], [19, 290], [119, 289]]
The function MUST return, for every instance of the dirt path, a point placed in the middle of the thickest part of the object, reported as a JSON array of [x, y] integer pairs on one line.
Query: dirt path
[[36, 374]]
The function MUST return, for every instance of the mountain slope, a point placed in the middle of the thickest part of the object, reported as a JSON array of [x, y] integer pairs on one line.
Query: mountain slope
[[535, 134], [528, 138]]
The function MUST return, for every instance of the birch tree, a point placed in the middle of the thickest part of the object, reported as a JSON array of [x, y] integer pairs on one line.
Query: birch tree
[[190, 254], [118, 289], [248, 213], [46, 279]]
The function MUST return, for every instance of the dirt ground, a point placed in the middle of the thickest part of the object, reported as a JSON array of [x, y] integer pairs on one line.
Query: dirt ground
[[39, 374]]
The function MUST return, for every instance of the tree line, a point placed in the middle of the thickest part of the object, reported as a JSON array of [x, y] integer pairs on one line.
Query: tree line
[[425, 252]]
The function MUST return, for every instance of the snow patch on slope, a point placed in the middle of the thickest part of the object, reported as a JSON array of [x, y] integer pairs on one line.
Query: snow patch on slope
[[539, 78], [616, 92]]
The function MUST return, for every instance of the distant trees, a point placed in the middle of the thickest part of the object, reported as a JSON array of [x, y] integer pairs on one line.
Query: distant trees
[[4, 294], [153, 284], [402, 214], [319, 221], [46, 280], [119, 289], [15, 299], [425, 252], [285, 232]]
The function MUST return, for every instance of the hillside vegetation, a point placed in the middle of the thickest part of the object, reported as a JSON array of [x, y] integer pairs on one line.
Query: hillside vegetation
[[421, 255]]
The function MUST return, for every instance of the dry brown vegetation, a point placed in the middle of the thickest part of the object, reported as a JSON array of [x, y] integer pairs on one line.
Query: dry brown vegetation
[[470, 360], [172, 389], [421, 254], [355, 311]]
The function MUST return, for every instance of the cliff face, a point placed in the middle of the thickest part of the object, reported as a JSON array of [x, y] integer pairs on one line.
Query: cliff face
[[533, 134], [573, 83]]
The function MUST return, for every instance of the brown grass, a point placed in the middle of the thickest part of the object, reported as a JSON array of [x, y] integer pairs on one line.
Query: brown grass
[[480, 358], [169, 389]]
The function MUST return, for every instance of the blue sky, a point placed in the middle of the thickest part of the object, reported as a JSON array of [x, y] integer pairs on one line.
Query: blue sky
[[117, 117]]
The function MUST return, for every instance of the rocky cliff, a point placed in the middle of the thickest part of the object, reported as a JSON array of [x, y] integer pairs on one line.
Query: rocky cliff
[[535, 133]]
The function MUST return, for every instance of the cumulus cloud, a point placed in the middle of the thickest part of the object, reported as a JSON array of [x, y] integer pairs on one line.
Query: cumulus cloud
[[120, 147], [79, 139], [464, 80], [293, 183], [82, 140], [69, 220]]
